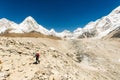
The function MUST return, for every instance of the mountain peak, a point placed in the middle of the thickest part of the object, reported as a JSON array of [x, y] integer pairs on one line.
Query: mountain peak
[[52, 30], [29, 18], [4, 20]]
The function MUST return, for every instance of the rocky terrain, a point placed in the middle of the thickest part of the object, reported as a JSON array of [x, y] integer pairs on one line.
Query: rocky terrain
[[83, 59]]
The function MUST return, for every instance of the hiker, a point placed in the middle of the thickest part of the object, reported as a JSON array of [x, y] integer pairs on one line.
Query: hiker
[[37, 55]]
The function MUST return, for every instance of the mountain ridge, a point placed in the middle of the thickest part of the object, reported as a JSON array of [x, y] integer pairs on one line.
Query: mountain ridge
[[97, 29]]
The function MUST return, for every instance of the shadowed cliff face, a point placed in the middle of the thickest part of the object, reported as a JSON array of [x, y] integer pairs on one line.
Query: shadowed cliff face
[[113, 34], [116, 33]]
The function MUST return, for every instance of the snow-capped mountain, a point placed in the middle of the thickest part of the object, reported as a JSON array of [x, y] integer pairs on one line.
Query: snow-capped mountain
[[53, 32], [100, 28], [28, 25], [65, 34], [6, 25], [78, 32]]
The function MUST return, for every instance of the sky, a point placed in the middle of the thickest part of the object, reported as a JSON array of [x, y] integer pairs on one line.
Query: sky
[[58, 14]]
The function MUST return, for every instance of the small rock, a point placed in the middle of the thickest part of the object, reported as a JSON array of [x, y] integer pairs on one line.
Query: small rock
[[6, 69], [19, 52], [43, 73], [26, 76], [23, 64], [4, 75], [1, 74], [0, 68], [26, 47], [0, 62], [51, 77], [7, 75], [20, 70]]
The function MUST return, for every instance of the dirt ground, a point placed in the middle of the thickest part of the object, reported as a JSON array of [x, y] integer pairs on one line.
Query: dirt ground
[[83, 59]]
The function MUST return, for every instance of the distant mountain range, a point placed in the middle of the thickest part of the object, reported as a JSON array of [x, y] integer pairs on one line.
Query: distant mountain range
[[107, 26]]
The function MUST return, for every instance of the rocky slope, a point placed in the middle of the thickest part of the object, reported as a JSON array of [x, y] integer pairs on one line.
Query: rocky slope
[[85, 59]]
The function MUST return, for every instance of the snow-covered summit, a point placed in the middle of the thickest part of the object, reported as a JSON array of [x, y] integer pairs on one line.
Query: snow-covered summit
[[29, 25], [53, 32]]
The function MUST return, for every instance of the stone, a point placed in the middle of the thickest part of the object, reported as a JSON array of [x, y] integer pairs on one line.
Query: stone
[[4, 75], [0, 62], [0, 68], [6, 69], [23, 64], [20, 70], [51, 77], [26, 76]]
